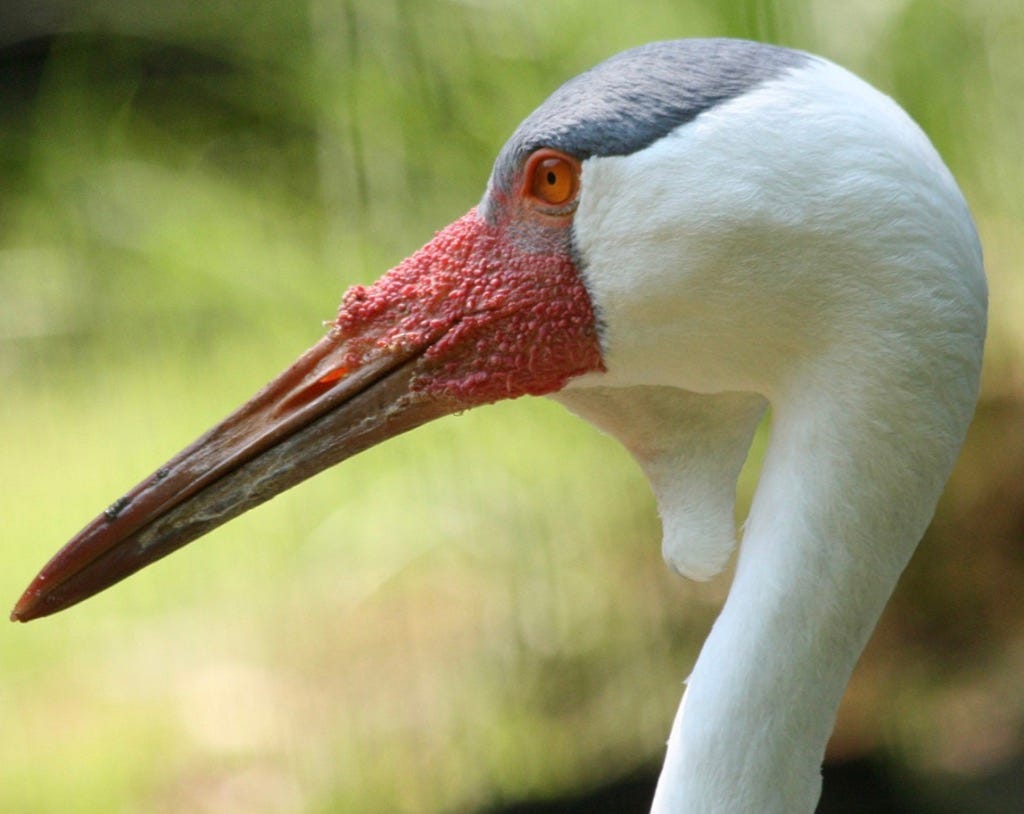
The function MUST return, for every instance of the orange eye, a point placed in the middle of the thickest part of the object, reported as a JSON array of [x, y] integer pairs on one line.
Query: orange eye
[[553, 177]]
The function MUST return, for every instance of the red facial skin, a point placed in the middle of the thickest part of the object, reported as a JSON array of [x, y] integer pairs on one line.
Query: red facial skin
[[497, 321], [492, 308]]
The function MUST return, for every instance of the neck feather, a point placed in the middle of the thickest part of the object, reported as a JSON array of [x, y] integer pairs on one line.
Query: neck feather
[[843, 500]]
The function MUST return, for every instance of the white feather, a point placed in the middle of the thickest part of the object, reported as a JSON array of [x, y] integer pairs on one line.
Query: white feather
[[802, 245]]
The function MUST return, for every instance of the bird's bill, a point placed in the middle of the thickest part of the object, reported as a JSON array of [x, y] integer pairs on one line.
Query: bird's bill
[[307, 419], [437, 334]]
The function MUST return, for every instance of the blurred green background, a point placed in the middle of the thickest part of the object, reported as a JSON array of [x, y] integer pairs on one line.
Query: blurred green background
[[477, 613]]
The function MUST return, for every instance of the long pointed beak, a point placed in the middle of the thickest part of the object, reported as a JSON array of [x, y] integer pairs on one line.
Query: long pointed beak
[[457, 324]]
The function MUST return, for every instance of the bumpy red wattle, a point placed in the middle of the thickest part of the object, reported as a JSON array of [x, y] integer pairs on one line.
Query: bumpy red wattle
[[490, 317]]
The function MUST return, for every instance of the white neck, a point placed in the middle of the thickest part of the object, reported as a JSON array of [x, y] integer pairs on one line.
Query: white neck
[[854, 467], [842, 502]]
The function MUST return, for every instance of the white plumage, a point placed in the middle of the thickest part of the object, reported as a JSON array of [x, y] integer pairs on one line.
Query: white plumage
[[801, 246]]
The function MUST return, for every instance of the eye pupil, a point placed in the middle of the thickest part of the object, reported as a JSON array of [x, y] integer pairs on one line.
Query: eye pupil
[[552, 178]]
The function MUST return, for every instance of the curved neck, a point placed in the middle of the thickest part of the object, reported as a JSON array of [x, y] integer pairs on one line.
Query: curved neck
[[824, 546]]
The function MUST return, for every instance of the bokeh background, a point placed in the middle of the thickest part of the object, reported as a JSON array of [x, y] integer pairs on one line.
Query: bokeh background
[[475, 617]]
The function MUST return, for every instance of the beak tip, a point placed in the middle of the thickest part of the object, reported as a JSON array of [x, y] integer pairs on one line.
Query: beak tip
[[28, 607]]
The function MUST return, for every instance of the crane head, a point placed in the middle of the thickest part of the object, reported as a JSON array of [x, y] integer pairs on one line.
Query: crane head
[[685, 222]]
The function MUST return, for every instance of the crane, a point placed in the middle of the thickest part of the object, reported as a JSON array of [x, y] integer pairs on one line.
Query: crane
[[684, 236]]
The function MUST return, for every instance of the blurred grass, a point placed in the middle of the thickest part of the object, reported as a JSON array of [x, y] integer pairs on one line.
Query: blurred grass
[[474, 612]]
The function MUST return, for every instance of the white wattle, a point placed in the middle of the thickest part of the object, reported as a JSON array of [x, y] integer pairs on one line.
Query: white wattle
[[691, 447], [802, 246]]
